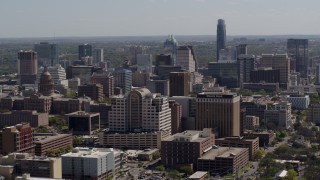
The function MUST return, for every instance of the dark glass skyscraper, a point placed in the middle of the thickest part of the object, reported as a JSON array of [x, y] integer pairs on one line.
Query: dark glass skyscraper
[[85, 50], [298, 52], [221, 36]]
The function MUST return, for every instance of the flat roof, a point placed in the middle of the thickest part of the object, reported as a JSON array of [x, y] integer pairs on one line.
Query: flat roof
[[48, 138], [223, 152], [198, 174], [187, 134]]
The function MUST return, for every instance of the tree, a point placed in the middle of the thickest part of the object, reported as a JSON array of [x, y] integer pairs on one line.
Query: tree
[[186, 169], [174, 174], [42, 129], [160, 168], [156, 156], [78, 141], [259, 154], [291, 175]]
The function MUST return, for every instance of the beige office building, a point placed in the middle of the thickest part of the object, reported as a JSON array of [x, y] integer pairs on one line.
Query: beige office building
[[219, 111]]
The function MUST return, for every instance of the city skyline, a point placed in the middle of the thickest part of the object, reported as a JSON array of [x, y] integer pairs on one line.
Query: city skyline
[[36, 18]]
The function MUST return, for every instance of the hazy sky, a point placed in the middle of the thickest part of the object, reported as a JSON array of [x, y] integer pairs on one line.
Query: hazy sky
[[46, 18]]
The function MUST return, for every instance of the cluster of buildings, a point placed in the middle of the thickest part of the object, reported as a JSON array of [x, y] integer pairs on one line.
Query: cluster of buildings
[[193, 116]]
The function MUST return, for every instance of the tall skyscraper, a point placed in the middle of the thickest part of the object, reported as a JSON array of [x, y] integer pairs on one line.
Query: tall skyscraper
[[298, 51], [221, 36], [98, 55], [219, 111], [85, 50], [47, 54], [241, 49], [27, 67], [133, 52]]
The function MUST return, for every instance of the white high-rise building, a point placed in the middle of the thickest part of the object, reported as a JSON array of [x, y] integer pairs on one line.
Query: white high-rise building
[[58, 73], [140, 111], [186, 58], [90, 163]]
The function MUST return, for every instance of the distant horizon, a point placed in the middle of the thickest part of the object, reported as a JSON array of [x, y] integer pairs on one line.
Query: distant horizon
[[83, 18]]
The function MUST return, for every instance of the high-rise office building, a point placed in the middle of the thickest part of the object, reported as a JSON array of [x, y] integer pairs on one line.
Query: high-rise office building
[[47, 54], [226, 73], [186, 58], [221, 36], [179, 84], [123, 79], [27, 67], [106, 80], [298, 51], [246, 65], [219, 111], [140, 111], [133, 52], [278, 61], [241, 49], [85, 50], [98, 55]]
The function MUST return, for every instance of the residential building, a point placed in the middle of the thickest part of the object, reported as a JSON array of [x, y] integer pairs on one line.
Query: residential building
[[186, 147], [176, 115], [219, 111], [18, 138]]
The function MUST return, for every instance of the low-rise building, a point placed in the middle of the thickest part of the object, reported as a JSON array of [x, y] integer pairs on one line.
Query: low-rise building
[[251, 122], [143, 140], [251, 143], [46, 142], [186, 147], [85, 163], [199, 175], [314, 113], [265, 137], [83, 123], [34, 118], [223, 160], [300, 102]]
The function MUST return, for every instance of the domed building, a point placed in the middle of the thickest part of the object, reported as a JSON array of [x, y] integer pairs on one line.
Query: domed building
[[45, 86]]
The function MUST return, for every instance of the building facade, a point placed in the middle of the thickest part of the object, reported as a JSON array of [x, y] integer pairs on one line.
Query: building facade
[[27, 67]]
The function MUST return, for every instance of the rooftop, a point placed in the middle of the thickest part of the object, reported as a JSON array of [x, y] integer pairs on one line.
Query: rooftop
[[222, 152], [48, 138], [198, 175]]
